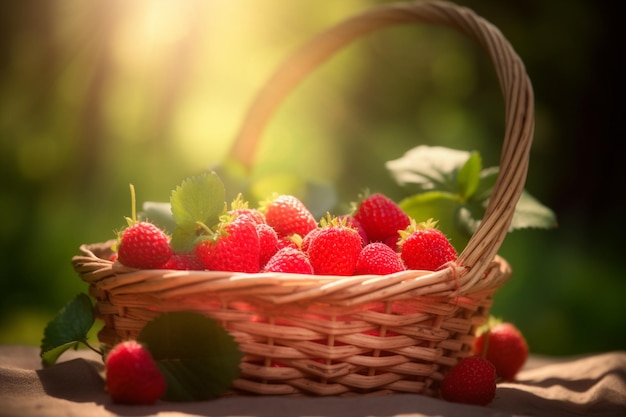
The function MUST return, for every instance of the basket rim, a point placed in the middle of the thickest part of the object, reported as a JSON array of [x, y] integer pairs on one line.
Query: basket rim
[[453, 281]]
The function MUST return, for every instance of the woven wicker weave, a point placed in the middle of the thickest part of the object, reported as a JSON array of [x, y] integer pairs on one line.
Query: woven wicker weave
[[327, 335]]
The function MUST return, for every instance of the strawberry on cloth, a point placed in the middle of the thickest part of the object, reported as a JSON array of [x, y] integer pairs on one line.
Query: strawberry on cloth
[[132, 376]]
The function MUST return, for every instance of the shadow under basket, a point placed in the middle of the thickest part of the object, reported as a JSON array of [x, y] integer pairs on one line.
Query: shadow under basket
[[331, 335]]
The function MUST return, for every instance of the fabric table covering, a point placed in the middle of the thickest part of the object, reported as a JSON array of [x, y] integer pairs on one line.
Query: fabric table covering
[[588, 385]]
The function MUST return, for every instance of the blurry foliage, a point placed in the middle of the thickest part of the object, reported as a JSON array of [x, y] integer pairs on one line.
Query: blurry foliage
[[97, 95]]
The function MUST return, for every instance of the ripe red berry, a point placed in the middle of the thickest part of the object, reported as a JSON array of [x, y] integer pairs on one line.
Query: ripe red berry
[[288, 215], [132, 376], [291, 260], [380, 217], [504, 346], [268, 242], [292, 241], [143, 245], [471, 381], [354, 223], [379, 259], [334, 248], [183, 261], [306, 240], [393, 242], [423, 246], [240, 206], [233, 247]]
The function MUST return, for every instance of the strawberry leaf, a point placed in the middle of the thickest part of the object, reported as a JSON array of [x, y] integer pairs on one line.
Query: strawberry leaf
[[198, 358], [468, 177], [452, 187], [198, 200], [531, 213], [67, 329], [428, 168], [183, 239], [488, 177], [438, 205]]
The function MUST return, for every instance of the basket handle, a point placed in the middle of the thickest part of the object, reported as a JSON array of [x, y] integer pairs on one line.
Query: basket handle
[[514, 83]]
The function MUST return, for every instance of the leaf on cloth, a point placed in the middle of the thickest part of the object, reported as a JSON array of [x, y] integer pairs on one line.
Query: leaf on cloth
[[67, 329]]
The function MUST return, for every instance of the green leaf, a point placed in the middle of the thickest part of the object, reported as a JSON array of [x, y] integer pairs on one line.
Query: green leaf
[[198, 358], [468, 177], [440, 206], [428, 168], [488, 178], [465, 191], [67, 329], [199, 199], [473, 209], [183, 240], [529, 212]]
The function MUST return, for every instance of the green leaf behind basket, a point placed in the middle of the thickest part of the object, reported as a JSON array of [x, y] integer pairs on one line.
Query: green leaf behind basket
[[452, 187]]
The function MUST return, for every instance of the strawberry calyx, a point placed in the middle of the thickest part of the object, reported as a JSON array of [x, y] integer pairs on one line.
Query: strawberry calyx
[[239, 203], [360, 198], [221, 229], [414, 226], [266, 202], [333, 221]]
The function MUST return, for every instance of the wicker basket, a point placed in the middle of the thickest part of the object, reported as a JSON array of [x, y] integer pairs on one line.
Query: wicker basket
[[359, 335]]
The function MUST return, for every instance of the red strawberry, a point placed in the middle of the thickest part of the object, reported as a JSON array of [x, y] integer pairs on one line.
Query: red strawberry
[[393, 242], [143, 245], [184, 261], [504, 346], [240, 206], [380, 217], [379, 259], [233, 247], [307, 239], [268, 242], [132, 376], [289, 259], [288, 215], [292, 241], [352, 222], [334, 248], [423, 246], [471, 381]]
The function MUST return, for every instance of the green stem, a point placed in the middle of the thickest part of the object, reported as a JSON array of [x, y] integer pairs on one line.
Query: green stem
[[133, 202], [98, 351]]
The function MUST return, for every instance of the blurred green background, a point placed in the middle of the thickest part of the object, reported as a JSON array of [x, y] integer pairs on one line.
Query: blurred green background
[[95, 95]]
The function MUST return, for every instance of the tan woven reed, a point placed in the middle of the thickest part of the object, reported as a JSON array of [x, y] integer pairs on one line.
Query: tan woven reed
[[327, 335]]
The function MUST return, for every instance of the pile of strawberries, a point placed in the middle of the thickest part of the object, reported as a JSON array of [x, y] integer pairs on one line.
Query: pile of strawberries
[[282, 235]]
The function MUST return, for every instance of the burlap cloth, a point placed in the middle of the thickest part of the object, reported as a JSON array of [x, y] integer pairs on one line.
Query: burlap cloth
[[590, 385]]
